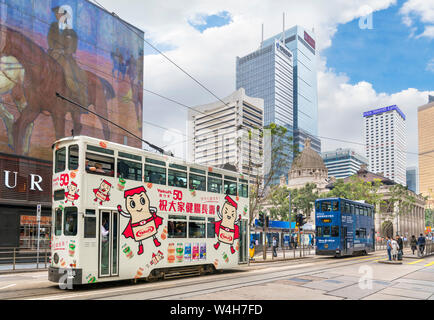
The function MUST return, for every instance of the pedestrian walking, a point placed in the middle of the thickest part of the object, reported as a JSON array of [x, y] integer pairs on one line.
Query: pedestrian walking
[[400, 247], [274, 247], [421, 243], [413, 243], [395, 248], [389, 248]]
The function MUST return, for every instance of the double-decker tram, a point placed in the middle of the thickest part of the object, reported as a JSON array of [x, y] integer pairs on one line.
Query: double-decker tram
[[344, 227], [125, 213]]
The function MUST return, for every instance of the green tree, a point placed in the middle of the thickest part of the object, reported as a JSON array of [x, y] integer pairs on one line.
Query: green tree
[[279, 156], [303, 199], [357, 189]]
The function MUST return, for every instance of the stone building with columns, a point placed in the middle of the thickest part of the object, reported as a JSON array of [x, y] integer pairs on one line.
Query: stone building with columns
[[408, 223]]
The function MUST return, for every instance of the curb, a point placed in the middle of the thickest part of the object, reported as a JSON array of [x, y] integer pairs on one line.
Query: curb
[[279, 260], [390, 262]]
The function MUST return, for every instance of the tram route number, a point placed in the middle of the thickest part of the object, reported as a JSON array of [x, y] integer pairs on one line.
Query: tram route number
[[230, 309]]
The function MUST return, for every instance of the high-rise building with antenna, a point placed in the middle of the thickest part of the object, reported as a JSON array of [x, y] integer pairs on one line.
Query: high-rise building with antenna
[[283, 72]]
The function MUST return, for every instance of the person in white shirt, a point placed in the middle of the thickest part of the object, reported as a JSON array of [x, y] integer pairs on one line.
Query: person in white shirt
[[395, 248]]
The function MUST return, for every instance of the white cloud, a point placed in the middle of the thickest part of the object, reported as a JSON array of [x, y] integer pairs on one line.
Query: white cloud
[[422, 10], [210, 58], [346, 103], [430, 65]]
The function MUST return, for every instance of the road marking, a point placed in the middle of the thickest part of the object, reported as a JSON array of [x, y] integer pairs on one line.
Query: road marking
[[371, 258], [380, 260], [11, 285], [429, 264], [414, 262]]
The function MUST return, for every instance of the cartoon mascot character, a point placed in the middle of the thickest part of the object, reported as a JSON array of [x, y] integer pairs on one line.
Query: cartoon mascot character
[[144, 221], [103, 192], [72, 193], [226, 229]]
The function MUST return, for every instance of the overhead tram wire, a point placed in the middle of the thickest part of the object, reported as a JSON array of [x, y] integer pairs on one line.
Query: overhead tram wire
[[190, 76], [161, 150], [160, 52]]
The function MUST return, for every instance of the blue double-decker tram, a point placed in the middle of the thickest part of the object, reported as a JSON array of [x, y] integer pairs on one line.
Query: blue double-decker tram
[[344, 227]]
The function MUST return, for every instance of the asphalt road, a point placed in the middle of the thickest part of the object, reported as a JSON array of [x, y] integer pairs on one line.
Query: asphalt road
[[311, 278]]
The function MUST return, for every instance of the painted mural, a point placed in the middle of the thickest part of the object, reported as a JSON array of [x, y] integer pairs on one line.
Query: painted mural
[[78, 50]]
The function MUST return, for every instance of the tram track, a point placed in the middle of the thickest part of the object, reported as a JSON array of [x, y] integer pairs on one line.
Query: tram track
[[212, 282]]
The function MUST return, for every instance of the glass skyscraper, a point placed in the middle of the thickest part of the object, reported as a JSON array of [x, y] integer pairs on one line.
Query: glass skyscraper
[[285, 77]]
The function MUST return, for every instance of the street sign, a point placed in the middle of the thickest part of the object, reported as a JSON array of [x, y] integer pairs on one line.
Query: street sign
[[38, 212]]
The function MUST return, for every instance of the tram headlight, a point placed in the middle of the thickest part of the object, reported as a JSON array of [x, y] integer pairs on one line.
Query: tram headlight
[[326, 246]]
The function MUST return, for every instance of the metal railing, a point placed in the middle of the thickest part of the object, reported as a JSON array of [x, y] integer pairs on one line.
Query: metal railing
[[285, 252], [13, 258]]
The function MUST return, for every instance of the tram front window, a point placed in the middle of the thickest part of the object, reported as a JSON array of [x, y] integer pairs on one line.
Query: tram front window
[[326, 232], [70, 221]]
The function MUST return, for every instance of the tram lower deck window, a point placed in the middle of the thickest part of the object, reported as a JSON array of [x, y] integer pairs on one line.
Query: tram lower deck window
[[58, 222], [335, 231], [70, 221], [196, 227], [177, 226], [210, 228]]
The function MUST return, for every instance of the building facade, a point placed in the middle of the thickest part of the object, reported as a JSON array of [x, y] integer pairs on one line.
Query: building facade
[[302, 45], [385, 138], [412, 176], [221, 133], [411, 221], [81, 51], [425, 118], [283, 73], [342, 163]]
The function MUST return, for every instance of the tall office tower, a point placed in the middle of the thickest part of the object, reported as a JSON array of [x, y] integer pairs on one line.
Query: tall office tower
[[220, 132], [285, 77], [413, 179], [342, 163], [385, 137], [425, 119], [430, 98]]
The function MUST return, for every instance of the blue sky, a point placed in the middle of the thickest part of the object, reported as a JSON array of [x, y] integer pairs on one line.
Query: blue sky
[[209, 21], [388, 56]]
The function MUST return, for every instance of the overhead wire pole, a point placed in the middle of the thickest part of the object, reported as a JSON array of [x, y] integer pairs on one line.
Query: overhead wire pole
[[161, 150]]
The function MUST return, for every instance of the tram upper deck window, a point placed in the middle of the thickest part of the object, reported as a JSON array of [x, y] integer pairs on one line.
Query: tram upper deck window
[[70, 221], [155, 174], [60, 164], [58, 222], [318, 206], [347, 208], [177, 178], [73, 157], [214, 182], [326, 206], [129, 170], [230, 186], [243, 188], [335, 205], [101, 165], [197, 182]]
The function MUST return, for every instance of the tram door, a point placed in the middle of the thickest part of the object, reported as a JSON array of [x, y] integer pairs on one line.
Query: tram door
[[345, 236], [243, 253], [108, 243]]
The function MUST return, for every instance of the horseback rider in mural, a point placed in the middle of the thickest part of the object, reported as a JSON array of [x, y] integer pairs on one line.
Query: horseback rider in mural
[[62, 45]]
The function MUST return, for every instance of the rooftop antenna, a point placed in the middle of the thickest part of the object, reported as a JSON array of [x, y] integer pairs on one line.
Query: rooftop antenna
[[262, 36], [283, 33]]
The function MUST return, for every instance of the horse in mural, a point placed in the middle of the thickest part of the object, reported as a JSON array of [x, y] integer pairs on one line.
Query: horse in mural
[[32, 77]]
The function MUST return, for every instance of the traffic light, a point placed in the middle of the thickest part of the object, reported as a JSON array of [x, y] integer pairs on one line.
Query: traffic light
[[298, 219], [302, 220], [267, 221], [261, 220]]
